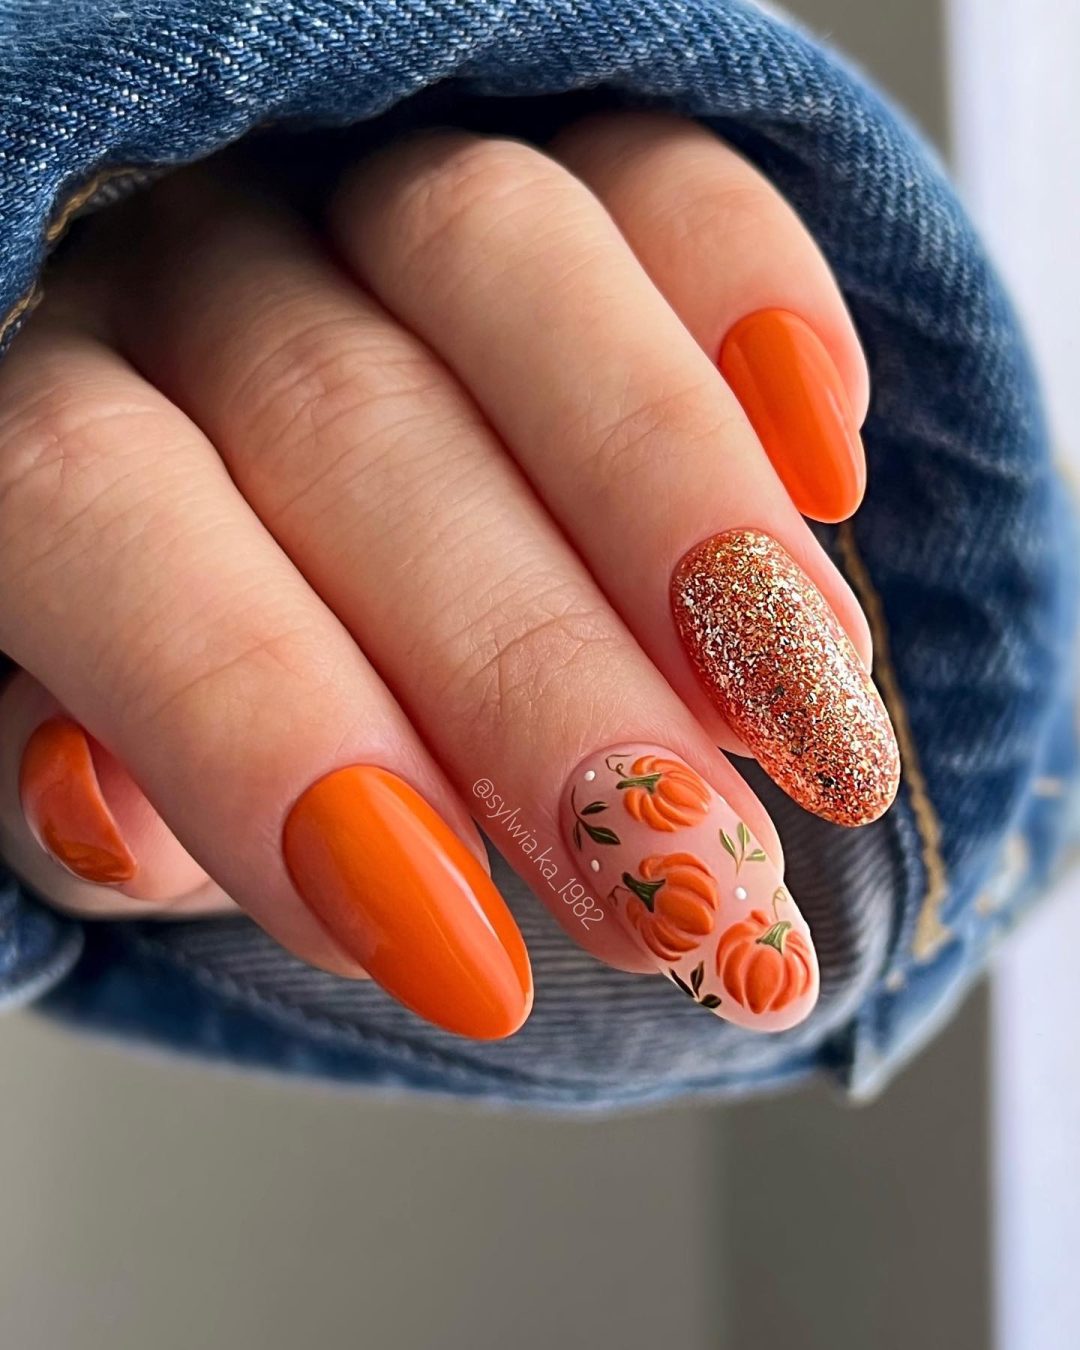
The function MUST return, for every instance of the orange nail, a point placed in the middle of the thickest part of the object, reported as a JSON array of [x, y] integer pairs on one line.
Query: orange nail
[[65, 808], [402, 894], [791, 391]]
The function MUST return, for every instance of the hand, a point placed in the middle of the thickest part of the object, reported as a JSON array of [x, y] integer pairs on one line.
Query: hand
[[310, 548]]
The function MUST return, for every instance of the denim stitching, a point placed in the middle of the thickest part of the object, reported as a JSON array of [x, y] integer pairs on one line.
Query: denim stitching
[[63, 216], [929, 934], [65, 213], [19, 310]]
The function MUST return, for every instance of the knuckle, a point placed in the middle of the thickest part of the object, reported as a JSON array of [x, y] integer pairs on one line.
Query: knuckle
[[263, 662], [625, 439], [531, 643], [63, 447], [321, 378], [469, 188], [742, 212]]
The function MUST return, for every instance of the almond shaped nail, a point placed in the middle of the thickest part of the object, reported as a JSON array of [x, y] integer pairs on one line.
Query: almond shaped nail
[[784, 675], [402, 894], [792, 393], [65, 807], [677, 867]]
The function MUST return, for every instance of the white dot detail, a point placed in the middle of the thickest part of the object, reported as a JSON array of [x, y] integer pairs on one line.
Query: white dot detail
[[590, 775], [740, 892], [594, 865]]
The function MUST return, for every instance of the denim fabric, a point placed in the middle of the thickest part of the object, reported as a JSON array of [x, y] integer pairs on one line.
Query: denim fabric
[[959, 553]]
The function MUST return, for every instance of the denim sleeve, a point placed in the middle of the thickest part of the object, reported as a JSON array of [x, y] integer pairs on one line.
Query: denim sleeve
[[959, 554]]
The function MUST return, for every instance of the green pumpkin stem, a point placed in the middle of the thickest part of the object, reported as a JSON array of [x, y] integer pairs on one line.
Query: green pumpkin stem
[[648, 781], [644, 890], [775, 936]]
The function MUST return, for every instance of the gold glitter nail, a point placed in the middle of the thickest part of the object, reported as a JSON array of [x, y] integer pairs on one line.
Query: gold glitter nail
[[785, 677]]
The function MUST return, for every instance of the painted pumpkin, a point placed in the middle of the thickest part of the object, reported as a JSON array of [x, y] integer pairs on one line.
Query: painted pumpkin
[[764, 965], [672, 905], [664, 794]]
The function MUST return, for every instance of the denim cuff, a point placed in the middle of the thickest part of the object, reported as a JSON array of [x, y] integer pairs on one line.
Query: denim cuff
[[959, 553]]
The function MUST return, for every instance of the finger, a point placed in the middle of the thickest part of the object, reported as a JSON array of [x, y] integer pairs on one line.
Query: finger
[[76, 826], [739, 268], [235, 698], [377, 474], [636, 445]]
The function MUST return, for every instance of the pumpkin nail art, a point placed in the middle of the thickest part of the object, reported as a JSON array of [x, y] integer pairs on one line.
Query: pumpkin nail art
[[671, 860], [763, 963], [785, 677]]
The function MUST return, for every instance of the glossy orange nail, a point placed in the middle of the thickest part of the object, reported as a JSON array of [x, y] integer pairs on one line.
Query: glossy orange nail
[[401, 893], [789, 388], [65, 808]]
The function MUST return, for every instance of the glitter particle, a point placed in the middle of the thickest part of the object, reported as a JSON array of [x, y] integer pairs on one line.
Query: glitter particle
[[785, 676]]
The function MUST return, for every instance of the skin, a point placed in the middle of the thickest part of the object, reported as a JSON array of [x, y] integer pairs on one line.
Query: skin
[[409, 494]]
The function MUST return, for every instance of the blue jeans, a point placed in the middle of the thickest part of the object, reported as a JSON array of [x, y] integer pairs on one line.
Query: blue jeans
[[960, 553]]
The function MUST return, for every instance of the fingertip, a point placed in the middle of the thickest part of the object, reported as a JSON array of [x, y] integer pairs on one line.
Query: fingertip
[[721, 243], [65, 808], [68, 803]]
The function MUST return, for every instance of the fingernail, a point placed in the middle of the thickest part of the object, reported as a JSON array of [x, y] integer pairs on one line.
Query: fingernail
[[65, 808], [780, 371], [784, 676], [679, 869], [403, 895]]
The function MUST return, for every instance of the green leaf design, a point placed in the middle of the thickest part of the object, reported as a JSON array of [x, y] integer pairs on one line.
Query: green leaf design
[[682, 984], [693, 989], [599, 834], [738, 851]]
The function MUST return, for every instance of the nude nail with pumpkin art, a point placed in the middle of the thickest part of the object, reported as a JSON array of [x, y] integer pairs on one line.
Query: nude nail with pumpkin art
[[677, 867]]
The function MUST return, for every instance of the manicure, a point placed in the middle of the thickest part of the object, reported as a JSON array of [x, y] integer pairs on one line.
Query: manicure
[[65, 807], [785, 677], [402, 894], [791, 391], [698, 895]]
